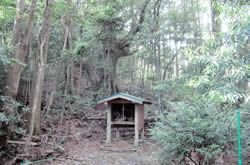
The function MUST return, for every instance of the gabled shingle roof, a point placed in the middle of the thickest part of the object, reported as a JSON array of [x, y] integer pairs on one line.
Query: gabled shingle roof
[[124, 96]]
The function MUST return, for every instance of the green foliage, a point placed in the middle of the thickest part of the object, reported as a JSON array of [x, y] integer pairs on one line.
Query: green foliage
[[5, 60], [14, 117], [5, 53], [60, 8], [7, 12], [195, 126], [69, 104], [245, 130], [105, 9], [78, 104], [225, 67], [203, 119], [175, 89]]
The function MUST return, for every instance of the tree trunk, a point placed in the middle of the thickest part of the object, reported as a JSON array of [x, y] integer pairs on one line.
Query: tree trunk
[[112, 76], [20, 40], [216, 22], [176, 60], [157, 46], [15, 70], [69, 83], [17, 30], [69, 88], [34, 105], [79, 80], [43, 44], [159, 59], [143, 73], [116, 48], [52, 92], [72, 75]]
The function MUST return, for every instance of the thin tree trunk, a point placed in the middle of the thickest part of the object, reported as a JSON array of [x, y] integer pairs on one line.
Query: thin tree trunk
[[198, 20], [216, 22], [72, 86], [143, 73], [148, 71], [52, 93], [79, 80], [51, 99], [176, 60], [165, 62], [36, 94], [43, 44], [68, 45], [156, 43], [131, 64], [34, 106], [159, 59], [155, 60], [69, 85]]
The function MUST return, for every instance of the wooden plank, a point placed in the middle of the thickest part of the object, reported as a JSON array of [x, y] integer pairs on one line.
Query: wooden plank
[[96, 118], [120, 101], [117, 133], [108, 124], [123, 123], [141, 117], [117, 150], [21, 142], [136, 143], [142, 134]]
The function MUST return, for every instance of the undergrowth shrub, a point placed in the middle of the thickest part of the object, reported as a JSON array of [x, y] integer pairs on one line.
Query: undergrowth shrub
[[245, 131], [14, 118], [196, 127]]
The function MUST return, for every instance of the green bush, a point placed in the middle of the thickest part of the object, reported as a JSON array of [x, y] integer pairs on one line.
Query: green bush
[[245, 130], [196, 127], [14, 118]]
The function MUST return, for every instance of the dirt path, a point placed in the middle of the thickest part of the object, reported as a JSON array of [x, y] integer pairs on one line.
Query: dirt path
[[84, 144], [97, 153]]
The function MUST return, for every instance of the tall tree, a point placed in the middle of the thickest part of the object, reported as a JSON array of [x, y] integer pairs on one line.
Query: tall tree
[[39, 72], [215, 19], [156, 43], [115, 48], [20, 41]]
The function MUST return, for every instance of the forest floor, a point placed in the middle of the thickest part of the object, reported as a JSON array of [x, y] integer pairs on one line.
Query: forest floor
[[82, 142], [96, 153]]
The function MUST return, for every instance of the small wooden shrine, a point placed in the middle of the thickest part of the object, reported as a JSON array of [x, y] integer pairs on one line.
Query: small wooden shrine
[[124, 110]]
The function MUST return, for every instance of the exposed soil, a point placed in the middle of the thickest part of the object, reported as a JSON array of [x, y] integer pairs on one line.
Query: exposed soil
[[86, 146], [97, 153], [82, 142]]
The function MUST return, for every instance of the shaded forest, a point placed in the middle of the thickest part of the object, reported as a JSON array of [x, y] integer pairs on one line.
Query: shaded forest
[[189, 57]]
